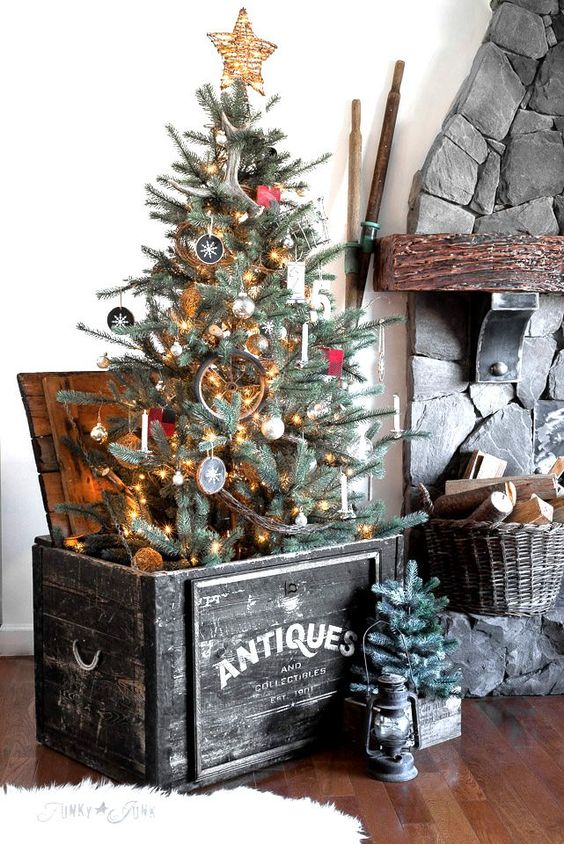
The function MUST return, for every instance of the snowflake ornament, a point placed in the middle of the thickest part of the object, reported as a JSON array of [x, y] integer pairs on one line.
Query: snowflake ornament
[[211, 475], [209, 249]]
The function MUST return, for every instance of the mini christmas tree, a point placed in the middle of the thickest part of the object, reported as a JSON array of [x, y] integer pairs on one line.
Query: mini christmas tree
[[407, 638], [243, 414]]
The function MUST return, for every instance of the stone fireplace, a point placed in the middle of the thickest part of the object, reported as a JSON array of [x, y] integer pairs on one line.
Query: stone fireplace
[[494, 177]]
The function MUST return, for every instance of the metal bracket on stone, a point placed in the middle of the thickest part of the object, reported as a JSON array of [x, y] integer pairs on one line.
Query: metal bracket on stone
[[500, 339]]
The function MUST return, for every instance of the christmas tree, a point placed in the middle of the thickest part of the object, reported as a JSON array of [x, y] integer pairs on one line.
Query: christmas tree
[[407, 638], [244, 418]]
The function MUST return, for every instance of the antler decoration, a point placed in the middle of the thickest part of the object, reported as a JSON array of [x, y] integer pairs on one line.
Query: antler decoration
[[231, 177]]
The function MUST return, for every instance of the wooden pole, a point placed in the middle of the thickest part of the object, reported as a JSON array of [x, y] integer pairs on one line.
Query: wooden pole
[[369, 225], [353, 210]]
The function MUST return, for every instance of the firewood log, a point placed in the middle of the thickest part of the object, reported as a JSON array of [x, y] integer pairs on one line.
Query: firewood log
[[481, 465], [545, 486], [461, 504], [558, 515], [558, 468], [493, 510], [535, 511]]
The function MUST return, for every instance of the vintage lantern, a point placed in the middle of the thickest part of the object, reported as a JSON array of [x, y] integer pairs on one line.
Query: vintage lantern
[[388, 730]]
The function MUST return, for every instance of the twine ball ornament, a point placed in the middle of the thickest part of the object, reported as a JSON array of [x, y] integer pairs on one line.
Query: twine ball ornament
[[131, 441], [242, 53], [147, 559], [103, 362], [183, 242], [272, 428]]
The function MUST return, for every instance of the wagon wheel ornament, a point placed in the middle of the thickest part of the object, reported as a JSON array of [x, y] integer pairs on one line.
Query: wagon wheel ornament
[[241, 373]]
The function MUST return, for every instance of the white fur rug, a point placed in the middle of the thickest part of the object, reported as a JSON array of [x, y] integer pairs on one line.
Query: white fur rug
[[103, 813]]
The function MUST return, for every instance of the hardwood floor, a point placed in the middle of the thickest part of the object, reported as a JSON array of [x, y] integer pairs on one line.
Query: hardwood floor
[[502, 782]]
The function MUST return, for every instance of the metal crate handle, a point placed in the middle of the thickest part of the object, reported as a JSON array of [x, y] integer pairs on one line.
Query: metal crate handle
[[85, 665]]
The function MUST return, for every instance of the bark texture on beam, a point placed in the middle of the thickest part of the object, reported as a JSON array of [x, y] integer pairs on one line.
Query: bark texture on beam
[[471, 262]]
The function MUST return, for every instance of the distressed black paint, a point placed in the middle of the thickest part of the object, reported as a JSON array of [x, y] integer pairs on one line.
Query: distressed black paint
[[154, 710]]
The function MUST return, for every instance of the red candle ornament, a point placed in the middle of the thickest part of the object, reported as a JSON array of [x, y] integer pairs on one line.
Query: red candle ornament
[[335, 358], [267, 195]]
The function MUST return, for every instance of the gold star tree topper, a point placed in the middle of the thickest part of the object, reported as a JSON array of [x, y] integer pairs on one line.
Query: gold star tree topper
[[242, 53]]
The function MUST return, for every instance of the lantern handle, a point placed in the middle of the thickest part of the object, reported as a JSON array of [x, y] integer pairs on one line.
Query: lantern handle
[[414, 703], [368, 720]]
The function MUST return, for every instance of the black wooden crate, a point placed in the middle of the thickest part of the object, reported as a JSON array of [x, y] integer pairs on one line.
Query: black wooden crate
[[202, 674]]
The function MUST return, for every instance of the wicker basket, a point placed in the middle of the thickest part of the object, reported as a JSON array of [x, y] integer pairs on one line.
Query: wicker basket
[[510, 569]]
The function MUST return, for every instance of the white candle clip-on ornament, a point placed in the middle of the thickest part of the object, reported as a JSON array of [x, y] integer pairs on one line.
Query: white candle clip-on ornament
[[397, 430], [145, 431], [346, 512], [305, 345]]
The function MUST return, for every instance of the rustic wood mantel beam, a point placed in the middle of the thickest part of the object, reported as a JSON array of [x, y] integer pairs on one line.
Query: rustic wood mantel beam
[[470, 262]]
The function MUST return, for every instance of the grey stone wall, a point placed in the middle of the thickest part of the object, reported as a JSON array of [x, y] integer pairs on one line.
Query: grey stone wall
[[507, 420], [497, 166], [523, 424], [498, 163], [509, 656]]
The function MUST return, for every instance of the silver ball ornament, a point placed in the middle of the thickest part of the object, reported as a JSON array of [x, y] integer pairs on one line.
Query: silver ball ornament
[[272, 428], [362, 448], [220, 138], [288, 241], [103, 362], [176, 349], [318, 409], [98, 433], [178, 478], [243, 307], [301, 519]]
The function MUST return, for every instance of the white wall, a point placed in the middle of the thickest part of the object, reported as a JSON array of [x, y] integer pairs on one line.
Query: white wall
[[87, 91]]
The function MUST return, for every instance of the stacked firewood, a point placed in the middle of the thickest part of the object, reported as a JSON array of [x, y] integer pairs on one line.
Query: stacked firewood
[[485, 495]]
